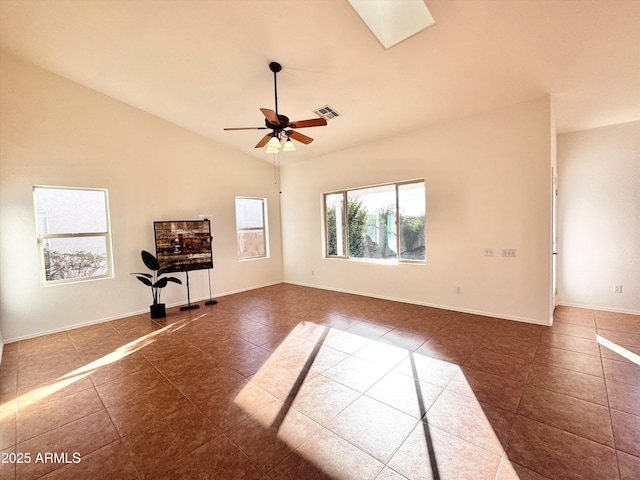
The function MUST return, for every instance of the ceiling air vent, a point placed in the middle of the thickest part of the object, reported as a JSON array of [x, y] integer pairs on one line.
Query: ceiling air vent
[[326, 112]]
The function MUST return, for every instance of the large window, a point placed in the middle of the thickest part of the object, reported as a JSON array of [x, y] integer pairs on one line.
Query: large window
[[385, 222], [251, 226], [73, 233]]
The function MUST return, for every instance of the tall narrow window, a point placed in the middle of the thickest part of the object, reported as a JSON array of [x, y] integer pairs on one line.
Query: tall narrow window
[[384, 222], [251, 226], [73, 233], [334, 206], [411, 220]]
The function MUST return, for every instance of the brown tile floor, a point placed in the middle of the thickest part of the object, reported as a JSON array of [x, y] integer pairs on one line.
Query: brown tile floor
[[287, 382]]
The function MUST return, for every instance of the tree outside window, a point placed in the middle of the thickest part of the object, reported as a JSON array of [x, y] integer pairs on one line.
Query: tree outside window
[[383, 222]]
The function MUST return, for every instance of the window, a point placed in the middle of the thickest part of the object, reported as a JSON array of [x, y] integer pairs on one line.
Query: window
[[251, 226], [334, 208], [384, 222], [73, 233]]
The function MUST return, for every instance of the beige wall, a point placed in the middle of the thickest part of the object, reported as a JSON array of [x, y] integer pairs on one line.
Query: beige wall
[[55, 132], [599, 218], [488, 182]]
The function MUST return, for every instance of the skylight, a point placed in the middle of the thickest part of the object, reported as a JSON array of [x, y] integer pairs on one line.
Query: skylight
[[393, 21]]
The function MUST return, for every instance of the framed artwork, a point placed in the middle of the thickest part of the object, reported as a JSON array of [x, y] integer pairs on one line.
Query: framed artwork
[[184, 245]]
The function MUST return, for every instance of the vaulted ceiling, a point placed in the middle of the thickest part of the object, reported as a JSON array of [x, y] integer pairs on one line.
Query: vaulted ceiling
[[203, 64]]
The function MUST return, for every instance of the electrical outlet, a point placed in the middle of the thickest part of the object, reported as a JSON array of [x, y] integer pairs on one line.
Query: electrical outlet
[[488, 252], [617, 289], [508, 252]]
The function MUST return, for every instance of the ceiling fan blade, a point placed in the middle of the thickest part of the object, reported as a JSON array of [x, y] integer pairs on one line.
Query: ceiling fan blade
[[264, 140], [247, 128], [271, 116], [299, 137], [313, 122]]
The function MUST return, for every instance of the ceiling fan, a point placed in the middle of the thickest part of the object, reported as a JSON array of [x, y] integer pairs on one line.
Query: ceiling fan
[[280, 126]]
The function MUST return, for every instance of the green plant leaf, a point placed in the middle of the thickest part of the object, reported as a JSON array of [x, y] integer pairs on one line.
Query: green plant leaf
[[161, 283], [148, 275], [174, 280], [150, 261], [146, 281], [166, 267]]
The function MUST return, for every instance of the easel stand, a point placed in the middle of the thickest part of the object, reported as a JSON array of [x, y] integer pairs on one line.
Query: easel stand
[[211, 301], [188, 306]]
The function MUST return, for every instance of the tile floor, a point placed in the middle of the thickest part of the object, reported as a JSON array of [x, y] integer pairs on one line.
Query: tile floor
[[288, 382]]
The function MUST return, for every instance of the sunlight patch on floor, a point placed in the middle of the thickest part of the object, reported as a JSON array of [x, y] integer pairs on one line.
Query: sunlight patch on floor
[[442, 420], [40, 393], [620, 350]]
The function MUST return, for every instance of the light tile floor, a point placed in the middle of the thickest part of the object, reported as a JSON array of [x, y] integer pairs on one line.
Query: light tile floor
[[288, 382]]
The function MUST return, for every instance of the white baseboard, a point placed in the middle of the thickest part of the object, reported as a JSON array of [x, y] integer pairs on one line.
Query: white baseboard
[[74, 326], [353, 292], [601, 308], [426, 304], [127, 315]]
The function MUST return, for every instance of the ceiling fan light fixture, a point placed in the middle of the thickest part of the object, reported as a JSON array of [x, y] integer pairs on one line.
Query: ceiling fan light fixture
[[288, 146], [274, 143], [271, 150]]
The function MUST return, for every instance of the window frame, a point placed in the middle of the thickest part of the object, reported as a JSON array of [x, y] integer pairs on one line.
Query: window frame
[[345, 233], [264, 229], [41, 238], [345, 224]]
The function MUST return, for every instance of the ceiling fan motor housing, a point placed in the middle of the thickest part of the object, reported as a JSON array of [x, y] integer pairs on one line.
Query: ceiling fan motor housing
[[284, 123]]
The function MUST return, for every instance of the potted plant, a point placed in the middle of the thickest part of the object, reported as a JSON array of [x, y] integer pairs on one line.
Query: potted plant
[[156, 281]]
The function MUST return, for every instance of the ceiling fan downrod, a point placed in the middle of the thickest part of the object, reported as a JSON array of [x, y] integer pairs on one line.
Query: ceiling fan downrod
[[275, 67]]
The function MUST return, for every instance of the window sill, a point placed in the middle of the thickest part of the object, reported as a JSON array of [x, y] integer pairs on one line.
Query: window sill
[[379, 261]]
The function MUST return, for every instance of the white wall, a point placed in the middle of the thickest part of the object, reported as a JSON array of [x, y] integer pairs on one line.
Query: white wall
[[55, 132], [488, 183], [599, 215]]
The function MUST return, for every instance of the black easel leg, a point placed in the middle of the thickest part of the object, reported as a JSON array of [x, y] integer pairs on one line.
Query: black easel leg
[[211, 301], [188, 306]]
